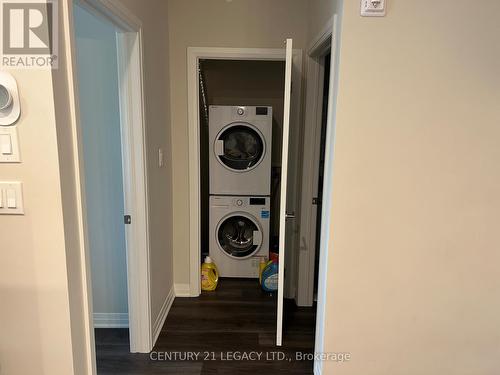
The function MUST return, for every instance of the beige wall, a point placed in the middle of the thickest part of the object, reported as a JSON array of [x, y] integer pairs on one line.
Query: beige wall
[[319, 14], [34, 315], [216, 23], [413, 280]]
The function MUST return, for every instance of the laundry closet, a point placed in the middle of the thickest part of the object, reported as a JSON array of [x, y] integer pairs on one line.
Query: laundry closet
[[241, 126]]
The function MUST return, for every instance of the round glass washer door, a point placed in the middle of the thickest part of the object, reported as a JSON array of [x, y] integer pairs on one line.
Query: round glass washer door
[[239, 236], [240, 147]]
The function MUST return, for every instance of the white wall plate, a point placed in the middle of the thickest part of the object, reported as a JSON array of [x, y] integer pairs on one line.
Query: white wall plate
[[373, 8], [10, 107], [9, 145], [11, 198]]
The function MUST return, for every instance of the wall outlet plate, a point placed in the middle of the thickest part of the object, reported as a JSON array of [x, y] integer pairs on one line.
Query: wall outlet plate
[[9, 134], [373, 8], [160, 157], [11, 198]]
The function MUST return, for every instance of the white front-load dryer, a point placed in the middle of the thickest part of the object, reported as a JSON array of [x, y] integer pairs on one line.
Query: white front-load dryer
[[240, 150], [239, 234]]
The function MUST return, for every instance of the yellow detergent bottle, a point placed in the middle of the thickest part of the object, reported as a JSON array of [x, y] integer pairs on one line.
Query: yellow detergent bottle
[[262, 266], [209, 275]]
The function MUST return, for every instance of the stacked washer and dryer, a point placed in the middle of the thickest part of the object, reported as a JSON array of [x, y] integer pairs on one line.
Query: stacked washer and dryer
[[240, 187]]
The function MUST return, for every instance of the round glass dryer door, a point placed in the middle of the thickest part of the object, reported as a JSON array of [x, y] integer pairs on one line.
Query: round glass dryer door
[[239, 236], [240, 147]]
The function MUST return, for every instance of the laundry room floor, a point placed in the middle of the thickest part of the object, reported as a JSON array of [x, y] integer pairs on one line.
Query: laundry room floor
[[208, 334]]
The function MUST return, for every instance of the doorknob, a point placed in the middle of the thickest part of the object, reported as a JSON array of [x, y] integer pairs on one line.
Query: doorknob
[[289, 215]]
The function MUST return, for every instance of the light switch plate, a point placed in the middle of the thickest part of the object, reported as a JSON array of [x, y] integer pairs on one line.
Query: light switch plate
[[9, 134], [160, 158], [11, 194], [373, 8]]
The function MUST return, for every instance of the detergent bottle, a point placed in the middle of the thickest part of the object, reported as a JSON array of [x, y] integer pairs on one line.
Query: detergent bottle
[[270, 277], [209, 275], [262, 266]]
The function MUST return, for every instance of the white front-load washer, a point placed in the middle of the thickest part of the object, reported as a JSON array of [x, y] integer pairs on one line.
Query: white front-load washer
[[239, 234], [240, 150]]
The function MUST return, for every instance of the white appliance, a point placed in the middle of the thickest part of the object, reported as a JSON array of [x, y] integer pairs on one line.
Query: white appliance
[[240, 150], [239, 234]]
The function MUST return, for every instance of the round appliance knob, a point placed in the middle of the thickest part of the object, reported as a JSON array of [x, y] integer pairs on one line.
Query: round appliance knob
[[240, 111], [239, 202], [5, 98]]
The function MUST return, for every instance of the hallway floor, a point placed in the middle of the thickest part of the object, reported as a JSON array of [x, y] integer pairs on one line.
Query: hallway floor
[[238, 317]]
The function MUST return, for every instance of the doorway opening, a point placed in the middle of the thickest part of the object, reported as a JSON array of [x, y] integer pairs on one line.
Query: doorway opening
[[104, 178], [237, 58], [109, 127], [237, 116], [248, 83], [315, 176], [241, 109], [243, 84], [318, 200]]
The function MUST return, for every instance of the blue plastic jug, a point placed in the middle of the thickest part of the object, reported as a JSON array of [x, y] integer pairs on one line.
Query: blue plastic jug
[[270, 277]]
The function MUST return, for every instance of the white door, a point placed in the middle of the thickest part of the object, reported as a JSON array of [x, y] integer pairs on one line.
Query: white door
[[284, 183]]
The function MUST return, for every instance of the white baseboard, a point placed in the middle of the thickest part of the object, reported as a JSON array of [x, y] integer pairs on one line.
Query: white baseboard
[[182, 290], [317, 368], [162, 316], [110, 320]]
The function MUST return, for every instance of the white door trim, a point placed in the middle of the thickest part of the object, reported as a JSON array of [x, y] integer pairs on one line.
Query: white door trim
[[194, 54], [129, 41], [326, 216], [320, 46], [136, 190]]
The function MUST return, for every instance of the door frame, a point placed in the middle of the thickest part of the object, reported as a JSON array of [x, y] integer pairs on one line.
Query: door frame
[[194, 54], [319, 48], [328, 183], [130, 63]]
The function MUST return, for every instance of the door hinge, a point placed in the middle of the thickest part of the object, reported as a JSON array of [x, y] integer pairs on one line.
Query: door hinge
[[127, 219]]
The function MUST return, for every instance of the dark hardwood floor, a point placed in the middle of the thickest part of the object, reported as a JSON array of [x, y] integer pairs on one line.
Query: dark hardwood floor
[[237, 318]]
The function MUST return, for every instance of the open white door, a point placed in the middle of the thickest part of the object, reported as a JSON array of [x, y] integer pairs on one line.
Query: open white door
[[284, 183]]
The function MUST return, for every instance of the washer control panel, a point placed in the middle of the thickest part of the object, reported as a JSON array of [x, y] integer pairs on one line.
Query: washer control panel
[[249, 201]]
